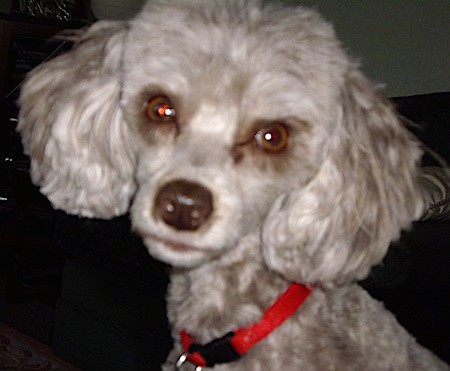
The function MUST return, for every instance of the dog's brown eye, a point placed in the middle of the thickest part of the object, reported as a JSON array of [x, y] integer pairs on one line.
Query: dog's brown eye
[[160, 109], [272, 138]]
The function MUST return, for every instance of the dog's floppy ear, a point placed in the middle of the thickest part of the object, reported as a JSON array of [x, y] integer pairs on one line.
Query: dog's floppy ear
[[72, 127], [336, 227]]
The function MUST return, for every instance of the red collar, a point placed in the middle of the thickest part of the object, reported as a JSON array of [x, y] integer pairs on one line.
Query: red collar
[[235, 344]]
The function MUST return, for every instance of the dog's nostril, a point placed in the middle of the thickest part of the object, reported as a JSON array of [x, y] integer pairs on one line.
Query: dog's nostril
[[183, 205]]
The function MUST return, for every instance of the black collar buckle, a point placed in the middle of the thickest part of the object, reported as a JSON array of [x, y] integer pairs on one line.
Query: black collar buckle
[[219, 350]]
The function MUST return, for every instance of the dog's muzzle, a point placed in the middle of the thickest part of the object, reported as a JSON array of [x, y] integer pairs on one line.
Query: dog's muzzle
[[183, 205]]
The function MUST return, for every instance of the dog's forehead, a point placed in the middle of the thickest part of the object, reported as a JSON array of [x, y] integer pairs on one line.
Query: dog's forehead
[[253, 57]]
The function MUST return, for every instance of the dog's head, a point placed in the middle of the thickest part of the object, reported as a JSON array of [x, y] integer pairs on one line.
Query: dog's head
[[222, 119]]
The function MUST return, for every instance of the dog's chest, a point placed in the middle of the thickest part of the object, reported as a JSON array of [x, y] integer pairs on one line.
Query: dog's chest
[[210, 305], [211, 318], [327, 332]]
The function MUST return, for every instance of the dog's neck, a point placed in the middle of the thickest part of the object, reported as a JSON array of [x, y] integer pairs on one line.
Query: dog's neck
[[229, 292]]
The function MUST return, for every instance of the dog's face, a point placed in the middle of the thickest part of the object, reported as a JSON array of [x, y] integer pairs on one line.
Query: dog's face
[[226, 124], [209, 175], [228, 119]]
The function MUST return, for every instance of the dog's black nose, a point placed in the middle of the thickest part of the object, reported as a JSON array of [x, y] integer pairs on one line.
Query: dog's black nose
[[183, 205]]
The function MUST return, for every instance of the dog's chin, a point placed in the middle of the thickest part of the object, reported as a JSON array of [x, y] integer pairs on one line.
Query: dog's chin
[[178, 254]]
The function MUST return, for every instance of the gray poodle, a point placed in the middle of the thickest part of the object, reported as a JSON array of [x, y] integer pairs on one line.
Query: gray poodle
[[255, 159]]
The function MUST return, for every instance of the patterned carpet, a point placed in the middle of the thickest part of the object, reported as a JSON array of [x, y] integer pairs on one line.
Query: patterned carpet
[[21, 352]]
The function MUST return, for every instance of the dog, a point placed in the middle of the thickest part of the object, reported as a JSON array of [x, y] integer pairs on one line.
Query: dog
[[255, 159]]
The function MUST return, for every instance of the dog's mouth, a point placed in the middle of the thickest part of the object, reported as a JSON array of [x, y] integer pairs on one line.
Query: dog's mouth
[[177, 254], [179, 247], [176, 246]]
